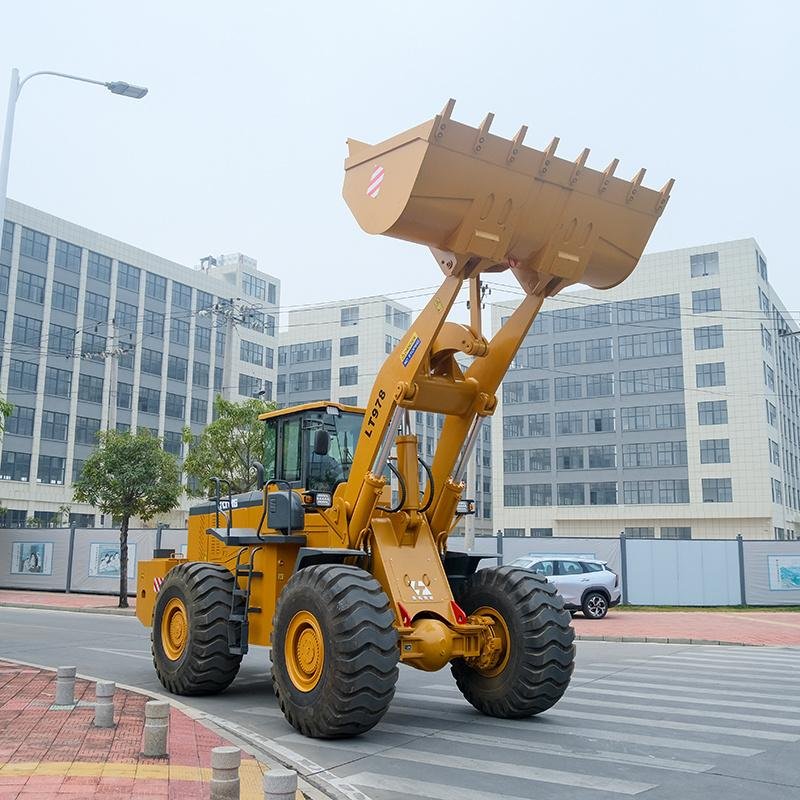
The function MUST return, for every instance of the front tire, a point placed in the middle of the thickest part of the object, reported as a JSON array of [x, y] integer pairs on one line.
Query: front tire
[[334, 651], [538, 653], [190, 630]]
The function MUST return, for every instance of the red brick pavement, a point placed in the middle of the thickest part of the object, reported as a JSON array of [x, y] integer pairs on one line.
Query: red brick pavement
[[734, 627], [52, 753], [69, 602]]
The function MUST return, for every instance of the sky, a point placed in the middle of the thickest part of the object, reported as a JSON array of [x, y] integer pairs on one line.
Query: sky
[[239, 145]]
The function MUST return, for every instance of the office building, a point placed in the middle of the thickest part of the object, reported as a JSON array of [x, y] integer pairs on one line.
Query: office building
[[665, 407], [101, 335]]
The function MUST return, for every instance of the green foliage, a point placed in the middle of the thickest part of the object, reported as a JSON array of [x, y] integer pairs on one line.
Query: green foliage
[[129, 475], [228, 445], [6, 409]]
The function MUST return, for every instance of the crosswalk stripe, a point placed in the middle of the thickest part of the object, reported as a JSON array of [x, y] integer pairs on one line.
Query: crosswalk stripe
[[591, 672], [733, 667], [599, 690], [712, 658], [541, 774], [592, 734], [407, 787]]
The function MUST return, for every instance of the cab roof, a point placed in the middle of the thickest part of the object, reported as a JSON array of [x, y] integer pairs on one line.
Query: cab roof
[[319, 405]]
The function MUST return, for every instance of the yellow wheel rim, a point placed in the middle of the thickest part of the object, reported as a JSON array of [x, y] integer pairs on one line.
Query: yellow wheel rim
[[500, 630], [304, 651], [174, 629]]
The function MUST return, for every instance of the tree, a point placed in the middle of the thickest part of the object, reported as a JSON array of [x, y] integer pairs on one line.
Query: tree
[[228, 445], [6, 409], [129, 475]]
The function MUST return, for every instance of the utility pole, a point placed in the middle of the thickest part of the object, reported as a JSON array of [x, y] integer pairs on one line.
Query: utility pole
[[111, 416]]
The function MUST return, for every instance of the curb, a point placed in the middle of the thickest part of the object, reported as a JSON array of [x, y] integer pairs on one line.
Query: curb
[[119, 612], [215, 724], [666, 640]]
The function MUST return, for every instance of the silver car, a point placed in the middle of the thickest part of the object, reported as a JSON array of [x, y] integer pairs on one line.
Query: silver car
[[586, 584]]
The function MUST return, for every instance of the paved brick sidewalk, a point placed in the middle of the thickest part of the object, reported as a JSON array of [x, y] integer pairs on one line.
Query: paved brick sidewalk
[[67, 602], [734, 627], [48, 754]]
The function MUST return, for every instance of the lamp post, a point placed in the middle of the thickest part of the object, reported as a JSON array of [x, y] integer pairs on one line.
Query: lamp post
[[115, 87]]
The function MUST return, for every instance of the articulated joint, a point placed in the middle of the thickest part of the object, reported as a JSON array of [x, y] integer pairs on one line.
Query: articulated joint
[[430, 643]]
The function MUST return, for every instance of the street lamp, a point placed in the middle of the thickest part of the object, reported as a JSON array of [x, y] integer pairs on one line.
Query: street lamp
[[115, 87]]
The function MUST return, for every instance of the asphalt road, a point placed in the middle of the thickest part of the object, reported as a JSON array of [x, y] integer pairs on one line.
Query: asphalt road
[[648, 720]]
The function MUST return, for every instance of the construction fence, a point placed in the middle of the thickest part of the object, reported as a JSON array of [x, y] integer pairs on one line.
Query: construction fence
[[696, 572]]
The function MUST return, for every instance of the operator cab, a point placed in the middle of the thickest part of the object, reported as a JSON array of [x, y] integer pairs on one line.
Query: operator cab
[[311, 446]]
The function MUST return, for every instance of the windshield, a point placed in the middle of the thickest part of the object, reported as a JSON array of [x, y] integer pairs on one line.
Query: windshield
[[325, 472]]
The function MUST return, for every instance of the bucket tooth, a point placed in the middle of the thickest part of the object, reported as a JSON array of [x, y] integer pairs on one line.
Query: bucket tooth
[[441, 119], [663, 195], [516, 143], [636, 182], [580, 163], [548, 155], [608, 173], [480, 139]]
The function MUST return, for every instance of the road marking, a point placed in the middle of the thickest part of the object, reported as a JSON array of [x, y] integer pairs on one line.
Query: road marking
[[126, 653], [586, 673], [743, 659], [407, 787], [540, 774], [732, 666], [542, 727], [680, 687]]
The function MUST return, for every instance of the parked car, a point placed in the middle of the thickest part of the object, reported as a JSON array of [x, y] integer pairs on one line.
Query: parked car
[[586, 584]]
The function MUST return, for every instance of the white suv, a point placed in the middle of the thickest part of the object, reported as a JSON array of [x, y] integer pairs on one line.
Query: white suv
[[586, 584]]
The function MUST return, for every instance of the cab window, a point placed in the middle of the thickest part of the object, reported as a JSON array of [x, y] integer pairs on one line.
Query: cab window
[[290, 450]]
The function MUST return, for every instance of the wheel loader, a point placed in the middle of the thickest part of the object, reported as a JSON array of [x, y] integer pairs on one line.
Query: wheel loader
[[343, 578]]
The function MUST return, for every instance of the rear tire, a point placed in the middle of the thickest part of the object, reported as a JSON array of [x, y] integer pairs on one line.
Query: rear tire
[[190, 646], [334, 651], [536, 667], [595, 605]]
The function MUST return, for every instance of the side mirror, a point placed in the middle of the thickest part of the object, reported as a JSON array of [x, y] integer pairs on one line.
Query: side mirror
[[259, 468], [322, 442]]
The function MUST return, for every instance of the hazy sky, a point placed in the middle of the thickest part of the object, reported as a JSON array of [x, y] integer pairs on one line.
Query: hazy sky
[[240, 143]]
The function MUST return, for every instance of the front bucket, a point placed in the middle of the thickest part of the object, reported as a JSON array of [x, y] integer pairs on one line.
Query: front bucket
[[485, 204]]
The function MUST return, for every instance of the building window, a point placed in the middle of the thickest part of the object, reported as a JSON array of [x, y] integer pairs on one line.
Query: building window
[[400, 319], [175, 406], [541, 494], [54, 426], [603, 494], [600, 385], [571, 388], [99, 267], [218, 379], [57, 382], [153, 323], [348, 376], [128, 277], [179, 332], [708, 338], [15, 466], [565, 353], [670, 416], [86, 430], [777, 492], [704, 264], [4, 273], [30, 287], [671, 454], [569, 458], [27, 331], [155, 287], [541, 533], [349, 316], [255, 287], [513, 496], [513, 392], [569, 422], [95, 306], [539, 460], [272, 293], [350, 400], [715, 451], [8, 236], [199, 410], [390, 343], [538, 425], [717, 490], [249, 385], [710, 374], [646, 345], [51, 470], [766, 339], [769, 377], [645, 309], [203, 300], [676, 533], [645, 381], [125, 316], [149, 400], [151, 361], [348, 346], [269, 325], [571, 494], [65, 298], [177, 368], [173, 442], [202, 339], [706, 300], [640, 533], [514, 461], [673, 491], [637, 454], [320, 379], [714, 412], [761, 266], [23, 375], [601, 420], [639, 492], [20, 422], [603, 457], [181, 295], [538, 391], [90, 388], [77, 468], [200, 374], [636, 418], [598, 350], [251, 352], [774, 450], [34, 244], [124, 395], [513, 427]]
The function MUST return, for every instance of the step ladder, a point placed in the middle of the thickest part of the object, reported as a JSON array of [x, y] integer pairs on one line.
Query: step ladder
[[239, 616]]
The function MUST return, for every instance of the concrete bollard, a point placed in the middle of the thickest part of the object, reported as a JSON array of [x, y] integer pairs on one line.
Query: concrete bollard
[[156, 729], [280, 784], [65, 686], [104, 704], [225, 763]]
